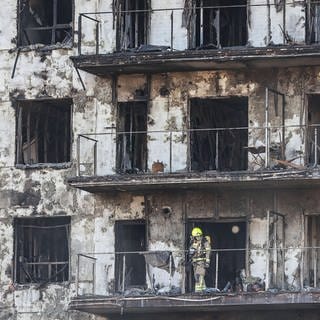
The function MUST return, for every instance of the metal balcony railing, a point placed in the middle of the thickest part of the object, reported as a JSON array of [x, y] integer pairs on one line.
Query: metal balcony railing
[[194, 150], [272, 269], [198, 26]]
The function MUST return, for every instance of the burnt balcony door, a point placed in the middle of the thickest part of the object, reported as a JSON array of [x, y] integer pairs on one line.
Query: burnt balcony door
[[217, 140], [130, 268], [133, 21], [228, 238], [219, 23], [313, 136], [132, 137]]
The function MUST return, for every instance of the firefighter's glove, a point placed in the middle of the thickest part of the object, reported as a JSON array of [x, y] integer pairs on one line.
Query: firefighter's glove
[[207, 264], [192, 251]]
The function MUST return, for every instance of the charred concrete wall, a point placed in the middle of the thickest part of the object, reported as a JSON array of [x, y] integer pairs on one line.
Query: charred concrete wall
[[42, 191], [168, 232]]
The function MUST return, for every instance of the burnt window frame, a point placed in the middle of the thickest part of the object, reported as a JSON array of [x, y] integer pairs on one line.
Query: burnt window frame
[[128, 42], [207, 226], [27, 270], [123, 134], [311, 254], [67, 143], [200, 11], [215, 160], [312, 129], [22, 4], [312, 35], [121, 285]]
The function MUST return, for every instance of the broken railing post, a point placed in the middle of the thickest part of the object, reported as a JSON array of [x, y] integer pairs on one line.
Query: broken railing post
[[266, 164], [77, 277], [95, 158], [94, 277], [170, 152], [217, 151], [171, 31], [97, 37], [217, 270], [314, 267], [201, 23], [79, 33], [78, 155], [268, 251], [218, 29], [170, 271], [302, 259], [123, 272], [315, 146]]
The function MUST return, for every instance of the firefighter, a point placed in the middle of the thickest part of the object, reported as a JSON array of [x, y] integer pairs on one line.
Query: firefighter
[[199, 251]]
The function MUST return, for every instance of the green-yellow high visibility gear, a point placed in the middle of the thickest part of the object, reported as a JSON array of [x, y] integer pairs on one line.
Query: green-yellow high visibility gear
[[196, 232]]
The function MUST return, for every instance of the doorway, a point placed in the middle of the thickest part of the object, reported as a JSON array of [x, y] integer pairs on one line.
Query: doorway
[[130, 267], [227, 260], [313, 129], [219, 134], [132, 137]]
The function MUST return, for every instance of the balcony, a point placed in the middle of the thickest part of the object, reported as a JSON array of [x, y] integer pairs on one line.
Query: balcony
[[198, 158], [113, 291], [138, 39]]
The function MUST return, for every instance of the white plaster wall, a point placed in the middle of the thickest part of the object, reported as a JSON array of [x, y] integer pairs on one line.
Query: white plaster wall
[[160, 33], [162, 277], [257, 256], [7, 24], [258, 24], [258, 27], [296, 22]]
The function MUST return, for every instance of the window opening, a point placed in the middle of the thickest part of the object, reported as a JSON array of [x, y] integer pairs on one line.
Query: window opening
[[313, 35], [132, 137], [225, 149], [42, 249], [312, 254], [43, 131], [222, 25], [313, 135], [45, 22], [132, 24], [130, 269], [228, 237]]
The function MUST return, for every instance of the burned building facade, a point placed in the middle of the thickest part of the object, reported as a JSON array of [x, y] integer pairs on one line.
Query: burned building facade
[[125, 124]]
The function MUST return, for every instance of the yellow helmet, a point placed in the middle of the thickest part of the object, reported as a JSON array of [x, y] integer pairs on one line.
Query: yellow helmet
[[196, 232]]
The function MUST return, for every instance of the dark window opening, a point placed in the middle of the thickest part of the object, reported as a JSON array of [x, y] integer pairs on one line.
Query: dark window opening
[[217, 143], [222, 25], [132, 24], [42, 249], [130, 266], [43, 131], [312, 253], [313, 136], [313, 27], [132, 137], [45, 22], [229, 237]]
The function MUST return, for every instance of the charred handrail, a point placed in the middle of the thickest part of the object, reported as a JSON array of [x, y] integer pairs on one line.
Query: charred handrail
[[276, 278], [79, 255], [193, 8], [94, 152], [181, 8]]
